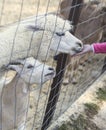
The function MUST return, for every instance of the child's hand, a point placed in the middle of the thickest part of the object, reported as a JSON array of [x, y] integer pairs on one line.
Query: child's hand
[[86, 48]]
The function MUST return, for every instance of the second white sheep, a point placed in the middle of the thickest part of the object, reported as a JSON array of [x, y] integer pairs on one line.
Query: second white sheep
[[15, 90]]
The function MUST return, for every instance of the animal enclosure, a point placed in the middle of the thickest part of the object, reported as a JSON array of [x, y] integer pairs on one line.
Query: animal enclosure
[[49, 100]]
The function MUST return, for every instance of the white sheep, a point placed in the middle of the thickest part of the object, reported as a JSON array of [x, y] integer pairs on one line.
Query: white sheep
[[40, 37], [15, 89]]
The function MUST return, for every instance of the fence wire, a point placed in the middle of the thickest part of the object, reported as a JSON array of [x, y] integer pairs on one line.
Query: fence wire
[[76, 79]]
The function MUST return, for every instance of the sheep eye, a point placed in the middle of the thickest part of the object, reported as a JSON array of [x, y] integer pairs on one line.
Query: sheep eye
[[60, 34], [30, 66]]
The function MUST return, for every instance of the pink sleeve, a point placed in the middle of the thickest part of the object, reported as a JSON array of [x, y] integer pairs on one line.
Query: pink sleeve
[[99, 47]]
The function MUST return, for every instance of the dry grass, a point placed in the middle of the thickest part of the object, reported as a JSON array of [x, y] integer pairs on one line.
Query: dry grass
[[10, 10]]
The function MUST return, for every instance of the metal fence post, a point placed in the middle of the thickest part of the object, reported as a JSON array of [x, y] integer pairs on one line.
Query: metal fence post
[[61, 63]]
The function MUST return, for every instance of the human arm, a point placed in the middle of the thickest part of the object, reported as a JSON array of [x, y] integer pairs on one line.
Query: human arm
[[95, 48], [99, 47]]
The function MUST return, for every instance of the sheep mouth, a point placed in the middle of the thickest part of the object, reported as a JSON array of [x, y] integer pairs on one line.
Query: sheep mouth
[[50, 74], [77, 50]]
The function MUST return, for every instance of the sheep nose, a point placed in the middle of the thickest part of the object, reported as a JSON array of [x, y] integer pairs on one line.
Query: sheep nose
[[51, 68], [80, 44]]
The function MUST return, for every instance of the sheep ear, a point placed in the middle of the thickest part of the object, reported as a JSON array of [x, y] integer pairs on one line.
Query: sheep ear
[[35, 28], [9, 76], [16, 68]]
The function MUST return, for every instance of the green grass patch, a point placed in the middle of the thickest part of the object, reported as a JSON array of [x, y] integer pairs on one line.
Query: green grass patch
[[91, 109], [81, 123], [64, 127], [101, 94]]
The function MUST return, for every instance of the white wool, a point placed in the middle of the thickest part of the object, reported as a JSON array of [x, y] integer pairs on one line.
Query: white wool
[[14, 90], [57, 24], [19, 41]]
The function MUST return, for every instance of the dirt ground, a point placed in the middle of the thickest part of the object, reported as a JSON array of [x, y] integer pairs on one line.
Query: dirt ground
[[88, 112]]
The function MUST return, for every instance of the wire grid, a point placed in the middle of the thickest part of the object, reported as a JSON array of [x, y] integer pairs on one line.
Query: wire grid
[[91, 67], [69, 93]]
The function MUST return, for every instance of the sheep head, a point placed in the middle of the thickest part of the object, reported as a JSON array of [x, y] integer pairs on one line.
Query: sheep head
[[31, 71], [57, 41], [66, 43]]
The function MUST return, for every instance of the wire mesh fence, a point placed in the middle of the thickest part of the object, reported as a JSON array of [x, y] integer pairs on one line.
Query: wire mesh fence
[[35, 105]]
